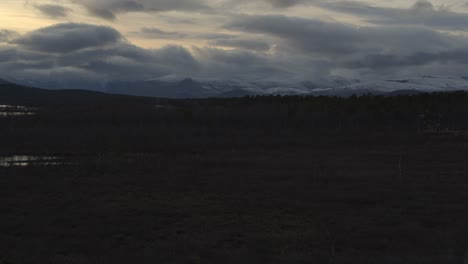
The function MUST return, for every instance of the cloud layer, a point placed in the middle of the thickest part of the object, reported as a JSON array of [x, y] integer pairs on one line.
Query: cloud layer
[[63, 38], [108, 9], [52, 10], [252, 40], [75, 52]]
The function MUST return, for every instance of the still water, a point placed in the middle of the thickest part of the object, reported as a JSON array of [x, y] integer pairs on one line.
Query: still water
[[27, 160], [16, 110]]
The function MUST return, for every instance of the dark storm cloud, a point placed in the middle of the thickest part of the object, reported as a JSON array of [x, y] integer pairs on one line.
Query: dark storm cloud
[[108, 9], [233, 57], [68, 37], [308, 35], [98, 54], [246, 47], [52, 10], [385, 61], [276, 4], [372, 47], [421, 13], [250, 65], [9, 53], [373, 50], [240, 64], [284, 3], [124, 60]]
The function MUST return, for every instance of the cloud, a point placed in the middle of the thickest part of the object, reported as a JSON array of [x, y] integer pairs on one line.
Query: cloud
[[385, 61], [423, 6], [127, 61], [241, 43], [380, 50], [250, 65], [52, 10], [108, 9], [75, 54], [306, 34], [226, 64], [250, 47], [214, 36], [45, 56], [275, 4], [284, 3], [156, 33], [336, 40], [178, 20], [422, 12], [68, 37], [7, 35]]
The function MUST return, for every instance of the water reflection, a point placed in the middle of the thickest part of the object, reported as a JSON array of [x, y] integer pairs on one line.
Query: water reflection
[[26, 160], [16, 110], [7, 114]]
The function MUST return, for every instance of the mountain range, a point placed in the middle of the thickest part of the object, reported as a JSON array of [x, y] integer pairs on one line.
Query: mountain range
[[203, 88]]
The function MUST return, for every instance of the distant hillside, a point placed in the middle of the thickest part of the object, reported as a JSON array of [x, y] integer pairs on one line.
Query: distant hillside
[[186, 88], [146, 91], [235, 94], [218, 88], [13, 94], [404, 92]]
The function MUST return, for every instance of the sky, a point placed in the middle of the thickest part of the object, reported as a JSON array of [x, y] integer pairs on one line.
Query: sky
[[290, 40]]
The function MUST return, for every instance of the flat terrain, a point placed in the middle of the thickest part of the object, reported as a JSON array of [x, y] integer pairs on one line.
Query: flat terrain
[[171, 185], [291, 205]]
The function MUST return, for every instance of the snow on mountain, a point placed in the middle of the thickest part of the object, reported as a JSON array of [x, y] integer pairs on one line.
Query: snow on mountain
[[442, 83], [338, 86], [285, 91], [203, 88], [389, 86], [255, 87], [425, 84]]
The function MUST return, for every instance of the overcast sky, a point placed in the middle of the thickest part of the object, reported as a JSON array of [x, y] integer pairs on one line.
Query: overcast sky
[[224, 39]]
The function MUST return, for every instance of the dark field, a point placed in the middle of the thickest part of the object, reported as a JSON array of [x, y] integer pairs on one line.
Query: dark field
[[251, 180]]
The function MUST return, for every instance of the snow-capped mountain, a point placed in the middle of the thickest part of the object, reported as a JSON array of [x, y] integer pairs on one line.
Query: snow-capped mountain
[[204, 88], [426, 84], [274, 87], [342, 87]]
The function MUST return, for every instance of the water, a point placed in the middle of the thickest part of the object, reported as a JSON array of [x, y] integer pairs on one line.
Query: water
[[29, 160], [7, 114], [16, 110]]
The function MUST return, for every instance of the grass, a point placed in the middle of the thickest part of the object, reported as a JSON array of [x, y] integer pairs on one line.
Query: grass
[[247, 184], [331, 205]]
